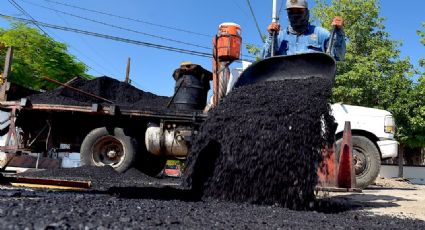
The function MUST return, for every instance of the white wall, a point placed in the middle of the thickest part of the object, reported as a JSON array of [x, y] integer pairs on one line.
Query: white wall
[[3, 117], [415, 174]]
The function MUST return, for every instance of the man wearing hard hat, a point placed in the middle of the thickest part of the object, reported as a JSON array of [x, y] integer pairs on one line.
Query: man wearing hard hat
[[302, 37]]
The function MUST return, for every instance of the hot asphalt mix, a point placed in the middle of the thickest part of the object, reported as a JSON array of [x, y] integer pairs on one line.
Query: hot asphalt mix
[[36, 209], [232, 191]]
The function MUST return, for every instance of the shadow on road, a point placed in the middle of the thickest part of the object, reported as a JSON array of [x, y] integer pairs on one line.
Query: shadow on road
[[155, 193], [395, 188], [328, 205], [365, 201]]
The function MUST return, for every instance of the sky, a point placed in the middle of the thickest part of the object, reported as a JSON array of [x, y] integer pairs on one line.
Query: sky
[[184, 24]]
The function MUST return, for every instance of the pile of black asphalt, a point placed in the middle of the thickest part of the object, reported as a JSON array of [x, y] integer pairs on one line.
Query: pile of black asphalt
[[102, 179], [120, 93], [36, 209], [263, 144], [253, 162], [132, 200]]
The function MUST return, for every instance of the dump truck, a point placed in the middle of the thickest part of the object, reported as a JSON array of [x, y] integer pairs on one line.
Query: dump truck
[[103, 134]]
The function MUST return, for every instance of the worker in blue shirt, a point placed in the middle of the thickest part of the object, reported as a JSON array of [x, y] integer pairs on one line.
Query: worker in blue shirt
[[301, 37]]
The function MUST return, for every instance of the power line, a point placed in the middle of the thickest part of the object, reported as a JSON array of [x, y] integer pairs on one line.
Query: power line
[[90, 47], [240, 8], [281, 8], [122, 28], [118, 27], [22, 10], [255, 20], [18, 7], [130, 19], [126, 40], [120, 39]]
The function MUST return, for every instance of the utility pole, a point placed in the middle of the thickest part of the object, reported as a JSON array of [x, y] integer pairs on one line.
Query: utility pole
[[7, 66], [127, 71]]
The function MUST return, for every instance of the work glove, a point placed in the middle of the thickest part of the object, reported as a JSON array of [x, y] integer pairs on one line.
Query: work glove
[[273, 27], [338, 22]]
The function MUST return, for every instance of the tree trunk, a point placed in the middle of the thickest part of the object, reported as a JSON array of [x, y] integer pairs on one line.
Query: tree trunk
[[400, 161], [5, 78]]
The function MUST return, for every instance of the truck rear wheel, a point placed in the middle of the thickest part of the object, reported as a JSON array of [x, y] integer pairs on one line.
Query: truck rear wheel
[[367, 160], [103, 146]]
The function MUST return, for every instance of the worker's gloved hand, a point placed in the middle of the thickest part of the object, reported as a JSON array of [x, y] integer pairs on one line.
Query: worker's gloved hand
[[338, 22], [273, 27]]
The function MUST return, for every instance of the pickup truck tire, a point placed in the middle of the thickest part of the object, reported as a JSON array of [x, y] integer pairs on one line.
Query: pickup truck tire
[[367, 160], [109, 146]]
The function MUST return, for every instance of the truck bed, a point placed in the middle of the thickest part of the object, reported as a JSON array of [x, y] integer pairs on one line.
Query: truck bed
[[47, 126], [101, 109]]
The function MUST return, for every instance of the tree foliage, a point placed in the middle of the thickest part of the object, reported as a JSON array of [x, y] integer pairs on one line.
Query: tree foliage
[[374, 74], [421, 34], [37, 55], [255, 50], [417, 104]]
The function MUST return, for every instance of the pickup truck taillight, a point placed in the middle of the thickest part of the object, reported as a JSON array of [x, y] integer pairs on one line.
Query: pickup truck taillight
[[389, 124]]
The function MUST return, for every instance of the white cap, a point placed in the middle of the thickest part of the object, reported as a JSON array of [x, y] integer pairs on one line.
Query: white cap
[[296, 4]]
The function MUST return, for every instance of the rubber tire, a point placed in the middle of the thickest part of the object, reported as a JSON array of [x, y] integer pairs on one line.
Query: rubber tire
[[373, 159], [129, 146]]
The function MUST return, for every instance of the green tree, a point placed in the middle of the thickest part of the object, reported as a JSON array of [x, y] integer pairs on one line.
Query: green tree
[[373, 73], [421, 34], [37, 55], [417, 105], [415, 127], [255, 50], [372, 60]]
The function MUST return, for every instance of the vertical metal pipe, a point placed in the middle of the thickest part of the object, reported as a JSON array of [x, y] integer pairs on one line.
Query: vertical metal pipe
[[275, 20], [332, 37], [127, 71], [223, 76], [331, 42], [215, 73], [274, 14]]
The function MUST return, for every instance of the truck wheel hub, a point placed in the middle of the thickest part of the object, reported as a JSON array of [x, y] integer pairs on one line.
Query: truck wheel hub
[[108, 151], [360, 163], [112, 154]]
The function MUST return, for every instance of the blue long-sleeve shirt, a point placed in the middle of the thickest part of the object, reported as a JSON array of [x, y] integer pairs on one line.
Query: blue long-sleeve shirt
[[314, 39]]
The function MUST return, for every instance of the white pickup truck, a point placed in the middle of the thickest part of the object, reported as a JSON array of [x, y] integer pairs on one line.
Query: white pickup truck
[[372, 137]]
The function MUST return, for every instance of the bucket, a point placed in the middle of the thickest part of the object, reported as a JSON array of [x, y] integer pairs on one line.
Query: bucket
[[229, 41], [229, 28], [191, 95], [192, 85]]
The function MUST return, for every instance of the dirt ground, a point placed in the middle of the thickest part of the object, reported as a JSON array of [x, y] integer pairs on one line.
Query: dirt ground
[[393, 197]]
